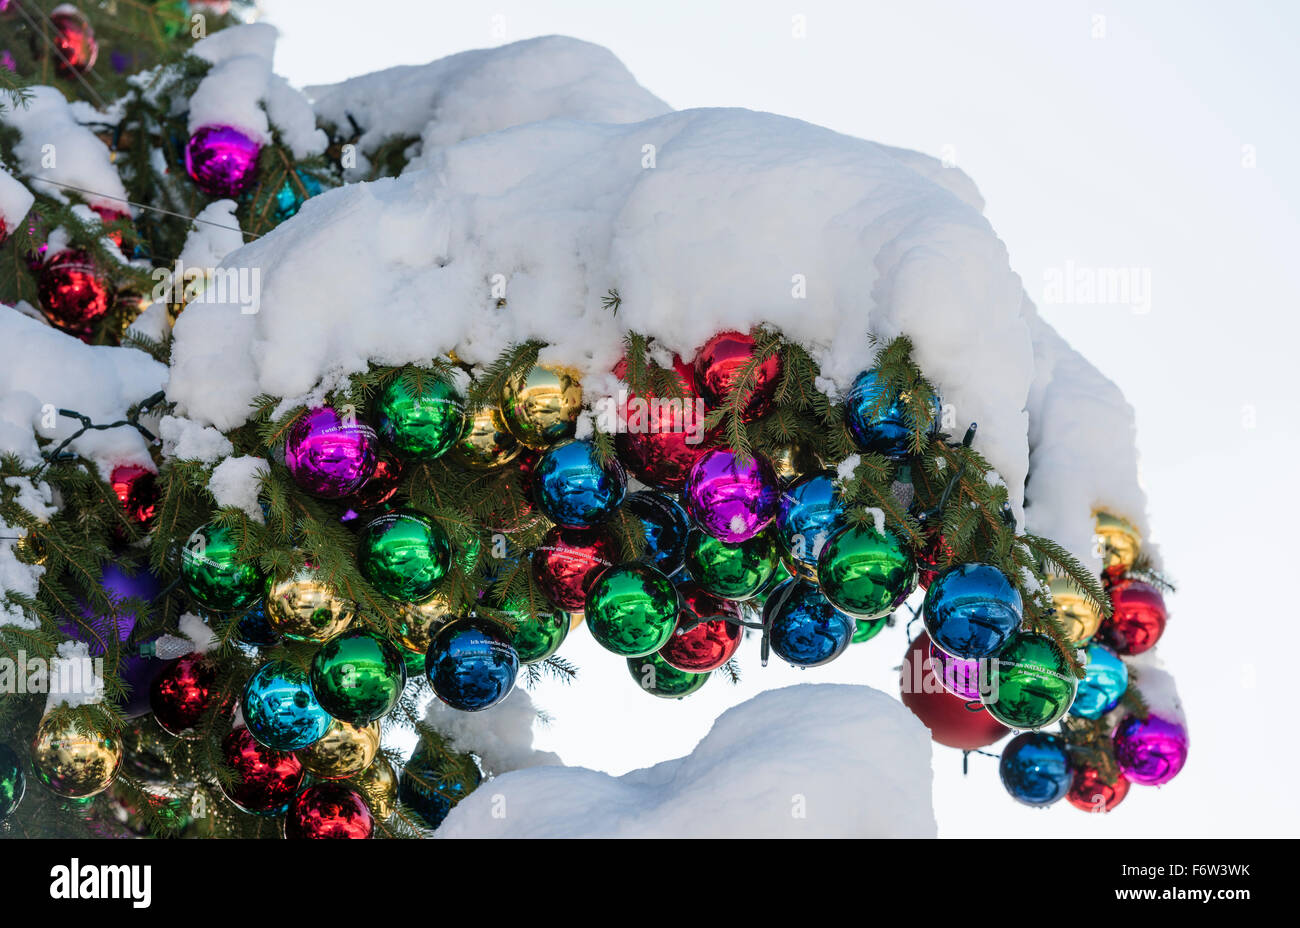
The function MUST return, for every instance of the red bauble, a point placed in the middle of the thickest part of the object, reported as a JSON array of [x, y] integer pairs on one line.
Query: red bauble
[[72, 293], [75, 41], [328, 810], [182, 692], [379, 489], [934, 558], [659, 440], [514, 513], [108, 216], [137, 488], [718, 366], [948, 717], [1138, 619], [567, 562], [4, 230], [265, 780], [709, 644], [1090, 794]]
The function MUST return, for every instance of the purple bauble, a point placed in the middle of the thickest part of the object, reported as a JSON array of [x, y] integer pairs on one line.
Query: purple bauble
[[221, 160], [1150, 752], [119, 587], [959, 677], [330, 456], [730, 500], [137, 672]]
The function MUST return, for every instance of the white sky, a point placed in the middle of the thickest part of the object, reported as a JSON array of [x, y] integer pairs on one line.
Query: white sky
[[1119, 151]]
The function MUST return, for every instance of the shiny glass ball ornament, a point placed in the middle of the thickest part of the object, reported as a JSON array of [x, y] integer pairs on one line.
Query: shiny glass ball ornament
[[950, 718], [98, 629], [182, 693], [265, 779], [326, 810], [330, 455], [255, 629], [1138, 617], [877, 422], [739, 572], [345, 751], [808, 513], [632, 610], [971, 610], [430, 787], [377, 492], [471, 664], [421, 620], [804, 628], [718, 367], [1104, 686], [137, 489], [1033, 684], [1081, 617], [74, 39], [666, 527], [659, 678], [1151, 751], [213, 574], [13, 781], [404, 554], [72, 292], [794, 462], [420, 424], [864, 572], [378, 784], [1091, 793], [357, 677], [1120, 543], [659, 439], [729, 499], [574, 489], [280, 708], [536, 638], [866, 629], [291, 196], [222, 160], [1035, 768], [959, 677], [71, 764], [703, 639], [485, 444], [541, 407], [567, 562], [934, 558], [305, 608]]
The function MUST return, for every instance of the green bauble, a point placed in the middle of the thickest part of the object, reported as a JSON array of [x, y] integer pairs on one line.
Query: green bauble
[[866, 629], [357, 677], [866, 573], [415, 664], [632, 610], [740, 571], [13, 781], [1034, 684], [404, 555], [538, 637], [212, 573], [659, 678], [420, 425]]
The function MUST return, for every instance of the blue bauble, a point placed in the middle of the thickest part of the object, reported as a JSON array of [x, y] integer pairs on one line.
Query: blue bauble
[[971, 610], [1035, 768], [280, 708], [886, 430], [1104, 686], [425, 787], [666, 526], [807, 514], [288, 199], [471, 664], [804, 628], [254, 629], [574, 489]]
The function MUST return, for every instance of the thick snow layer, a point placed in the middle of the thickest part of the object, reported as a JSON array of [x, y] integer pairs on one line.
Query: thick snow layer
[[235, 482], [813, 760], [502, 738], [15, 200]]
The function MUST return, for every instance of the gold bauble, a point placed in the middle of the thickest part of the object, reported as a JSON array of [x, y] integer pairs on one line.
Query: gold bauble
[[1081, 617], [793, 461], [542, 408], [378, 783], [74, 765], [303, 608], [485, 444], [575, 619], [1120, 542], [344, 751], [30, 550], [421, 620]]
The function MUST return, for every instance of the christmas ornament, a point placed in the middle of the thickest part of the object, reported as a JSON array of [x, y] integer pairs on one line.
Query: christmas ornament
[[566, 564], [880, 423], [404, 554], [1103, 687], [378, 784], [738, 571], [659, 439], [541, 407], [866, 629], [950, 718], [137, 488], [1033, 684], [574, 489], [421, 620], [666, 526], [1119, 543], [704, 639], [471, 664], [345, 751], [212, 573], [1091, 793], [222, 160], [959, 677], [305, 608], [632, 610], [163, 801], [72, 292], [357, 677], [13, 781], [659, 678], [329, 455], [934, 558], [98, 629], [719, 365], [291, 196], [806, 515], [864, 572], [1035, 768], [538, 637], [1137, 618], [71, 764], [280, 708], [794, 461], [1151, 751], [515, 512], [730, 499], [971, 610], [255, 629], [423, 423], [1081, 617], [429, 786], [182, 693], [265, 780], [74, 41], [485, 444], [376, 492], [328, 810], [136, 672], [804, 628]]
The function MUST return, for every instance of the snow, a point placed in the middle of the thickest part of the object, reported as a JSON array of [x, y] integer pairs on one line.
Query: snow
[[811, 760], [235, 482], [15, 200], [501, 738], [189, 441], [73, 680]]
